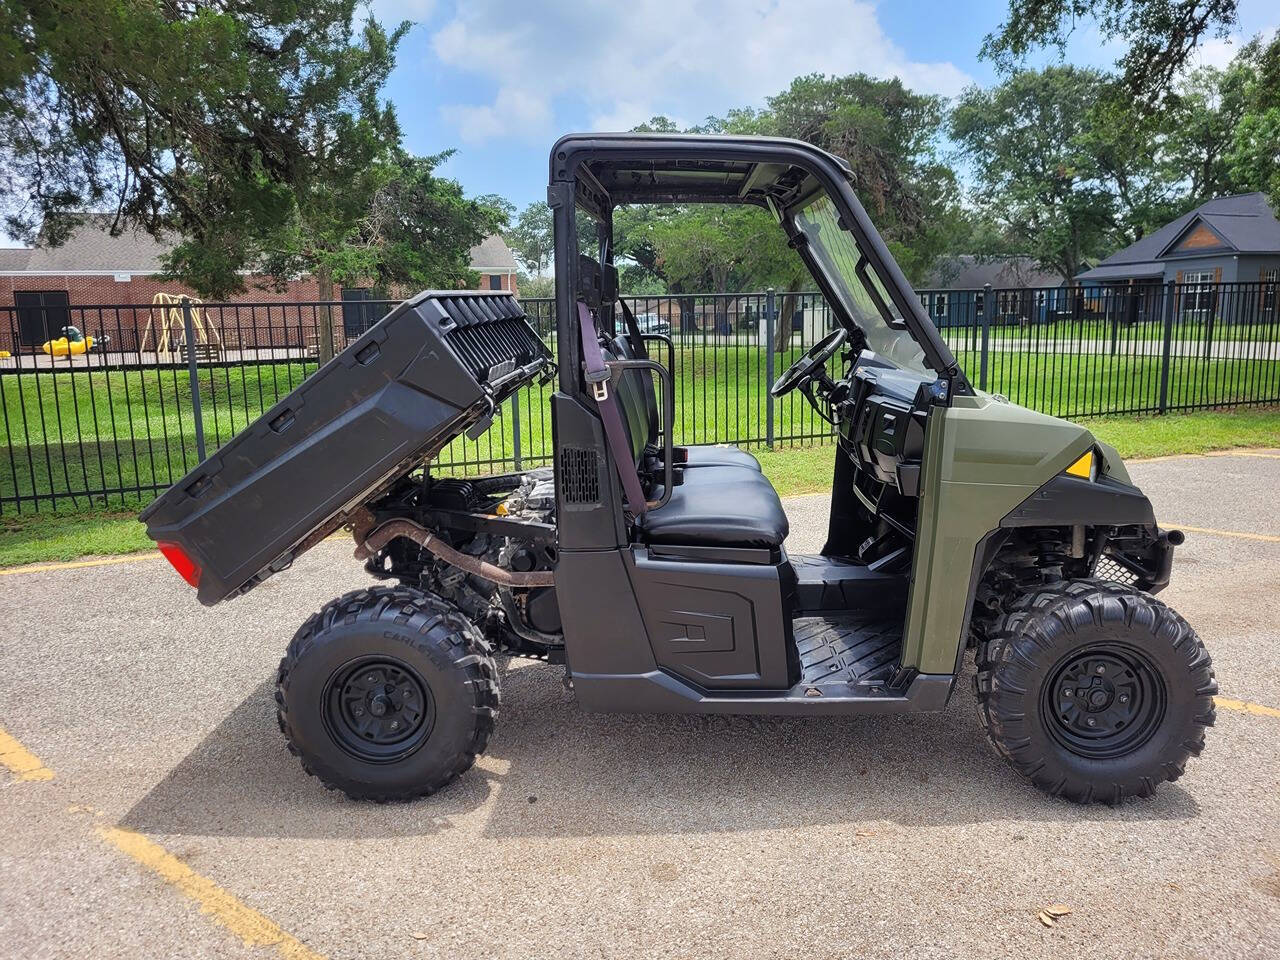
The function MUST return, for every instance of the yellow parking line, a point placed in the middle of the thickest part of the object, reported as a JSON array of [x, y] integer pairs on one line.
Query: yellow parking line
[[24, 764], [1244, 706], [1264, 537], [243, 921], [74, 564]]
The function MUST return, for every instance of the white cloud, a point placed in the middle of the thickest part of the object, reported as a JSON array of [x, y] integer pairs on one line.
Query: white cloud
[[1217, 52], [653, 56], [514, 112]]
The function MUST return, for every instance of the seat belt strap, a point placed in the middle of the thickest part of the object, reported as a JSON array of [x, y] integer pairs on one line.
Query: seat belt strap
[[633, 331], [597, 375]]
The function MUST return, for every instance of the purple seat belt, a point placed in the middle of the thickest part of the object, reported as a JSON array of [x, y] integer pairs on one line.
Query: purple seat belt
[[597, 374]]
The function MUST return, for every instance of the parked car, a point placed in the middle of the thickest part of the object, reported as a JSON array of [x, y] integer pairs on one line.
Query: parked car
[[652, 323]]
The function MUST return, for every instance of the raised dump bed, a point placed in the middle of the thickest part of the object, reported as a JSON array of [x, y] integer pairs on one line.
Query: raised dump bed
[[436, 366]]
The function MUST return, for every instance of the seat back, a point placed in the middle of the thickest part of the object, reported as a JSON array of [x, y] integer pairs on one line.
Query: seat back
[[641, 393]]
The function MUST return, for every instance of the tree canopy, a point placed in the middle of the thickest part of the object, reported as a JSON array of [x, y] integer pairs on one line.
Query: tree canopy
[[1159, 36], [530, 237], [252, 132]]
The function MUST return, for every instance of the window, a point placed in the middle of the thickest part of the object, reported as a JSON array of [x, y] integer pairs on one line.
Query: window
[[940, 305], [1198, 299], [1269, 280], [495, 281], [861, 292]]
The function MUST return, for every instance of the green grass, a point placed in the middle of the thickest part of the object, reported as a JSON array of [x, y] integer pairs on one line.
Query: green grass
[[53, 537], [793, 471], [808, 469], [123, 430], [720, 395], [1151, 436]]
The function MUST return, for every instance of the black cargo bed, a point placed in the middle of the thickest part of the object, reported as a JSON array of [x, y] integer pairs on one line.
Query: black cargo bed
[[428, 371]]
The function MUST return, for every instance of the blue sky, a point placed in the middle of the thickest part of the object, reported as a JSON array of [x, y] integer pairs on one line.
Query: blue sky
[[499, 80]]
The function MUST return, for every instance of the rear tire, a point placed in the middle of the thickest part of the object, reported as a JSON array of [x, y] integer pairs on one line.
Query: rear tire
[[1095, 691], [387, 694]]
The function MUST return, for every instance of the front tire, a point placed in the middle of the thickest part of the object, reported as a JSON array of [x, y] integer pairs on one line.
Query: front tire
[[1095, 691], [387, 694]]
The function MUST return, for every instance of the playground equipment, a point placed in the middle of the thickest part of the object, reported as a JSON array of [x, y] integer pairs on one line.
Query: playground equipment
[[71, 343], [166, 325]]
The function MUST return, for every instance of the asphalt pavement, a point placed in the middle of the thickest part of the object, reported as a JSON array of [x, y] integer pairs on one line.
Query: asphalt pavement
[[151, 809]]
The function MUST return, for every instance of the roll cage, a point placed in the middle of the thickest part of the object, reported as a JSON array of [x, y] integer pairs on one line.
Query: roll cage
[[598, 172]]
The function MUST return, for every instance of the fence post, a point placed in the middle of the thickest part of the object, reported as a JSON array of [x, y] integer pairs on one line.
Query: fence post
[[189, 333], [515, 429], [1130, 309], [1167, 350], [987, 309], [1208, 328], [770, 305]]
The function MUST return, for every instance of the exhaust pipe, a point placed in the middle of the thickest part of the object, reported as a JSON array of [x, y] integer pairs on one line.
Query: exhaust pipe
[[384, 534]]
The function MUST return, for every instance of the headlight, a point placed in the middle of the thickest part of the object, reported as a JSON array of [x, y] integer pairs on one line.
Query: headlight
[[1086, 467]]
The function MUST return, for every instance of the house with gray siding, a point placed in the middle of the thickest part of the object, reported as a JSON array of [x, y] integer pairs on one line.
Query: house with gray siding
[[1230, 240], [1227, 240], [1022, 291]]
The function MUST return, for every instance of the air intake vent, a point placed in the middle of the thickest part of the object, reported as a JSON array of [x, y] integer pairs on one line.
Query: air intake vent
[[580, 475], [490, 332]]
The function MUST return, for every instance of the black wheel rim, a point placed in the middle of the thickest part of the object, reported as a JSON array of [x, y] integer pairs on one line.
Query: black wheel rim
[[378, 709], [1104, 701]]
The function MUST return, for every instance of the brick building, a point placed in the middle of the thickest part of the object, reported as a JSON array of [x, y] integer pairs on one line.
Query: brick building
[[87, 279]]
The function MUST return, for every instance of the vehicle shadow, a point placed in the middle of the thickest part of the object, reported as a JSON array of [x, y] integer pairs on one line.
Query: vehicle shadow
[[553, 771]]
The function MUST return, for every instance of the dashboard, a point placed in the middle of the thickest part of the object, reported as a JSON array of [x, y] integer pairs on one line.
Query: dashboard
[[881, 421]]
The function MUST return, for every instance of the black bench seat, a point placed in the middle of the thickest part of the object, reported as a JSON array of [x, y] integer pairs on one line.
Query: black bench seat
[[718, 506]]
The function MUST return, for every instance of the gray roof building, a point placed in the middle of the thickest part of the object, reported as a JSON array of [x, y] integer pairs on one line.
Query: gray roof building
[[1227, 240], [968, 272], [492, 255], [91, 248]]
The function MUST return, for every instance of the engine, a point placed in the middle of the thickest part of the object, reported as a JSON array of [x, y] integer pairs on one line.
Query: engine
[[505, 520]]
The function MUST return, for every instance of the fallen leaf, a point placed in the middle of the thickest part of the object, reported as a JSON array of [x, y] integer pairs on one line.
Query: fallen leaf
[[1047, 920], [1056, 910], [420, 936]]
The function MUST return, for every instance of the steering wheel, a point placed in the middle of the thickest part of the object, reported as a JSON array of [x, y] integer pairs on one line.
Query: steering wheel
[[813, 360]]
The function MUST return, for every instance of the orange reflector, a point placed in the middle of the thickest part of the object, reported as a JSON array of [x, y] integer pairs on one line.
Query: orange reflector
[[1082, 467], [181, 562]]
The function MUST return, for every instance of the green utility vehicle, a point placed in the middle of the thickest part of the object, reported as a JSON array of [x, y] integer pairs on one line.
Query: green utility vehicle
[[656, 574]]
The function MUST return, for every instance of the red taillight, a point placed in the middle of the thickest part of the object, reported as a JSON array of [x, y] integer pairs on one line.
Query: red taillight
[[181, 562]]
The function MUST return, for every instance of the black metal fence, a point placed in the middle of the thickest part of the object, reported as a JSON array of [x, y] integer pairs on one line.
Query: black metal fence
[[115, 422]]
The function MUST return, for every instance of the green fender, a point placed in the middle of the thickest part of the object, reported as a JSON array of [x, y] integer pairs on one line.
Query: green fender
[[983, 456]]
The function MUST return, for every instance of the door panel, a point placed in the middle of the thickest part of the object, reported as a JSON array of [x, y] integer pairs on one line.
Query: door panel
[[41, 315], [718, 625]]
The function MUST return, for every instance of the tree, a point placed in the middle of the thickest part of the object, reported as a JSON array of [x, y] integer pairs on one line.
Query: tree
[[531, 237], [503, 209], [422, 228], [250, 128], [1199, 124], [396, 223], [536, 287], [1035, 174], [1125, 149], [1254, 155], [1159, 35], [890, 136]]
